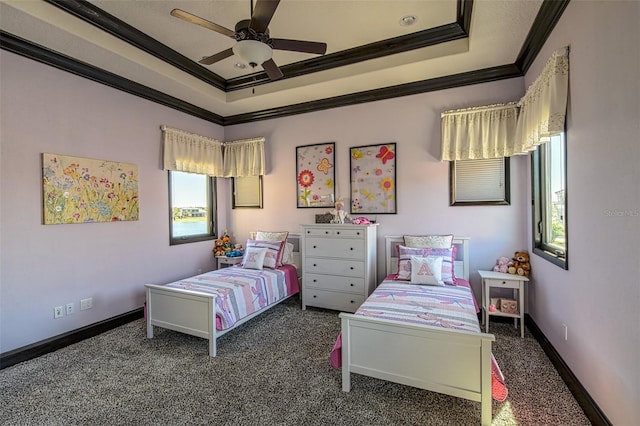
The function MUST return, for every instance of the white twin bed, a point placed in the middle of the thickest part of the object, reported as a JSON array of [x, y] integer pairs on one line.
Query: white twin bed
[[212, 304], [451, 361]]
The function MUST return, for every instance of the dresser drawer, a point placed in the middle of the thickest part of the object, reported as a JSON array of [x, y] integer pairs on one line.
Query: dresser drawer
[[333, 282], [327, 247], [332, 300], [346, 268], [335, 233]]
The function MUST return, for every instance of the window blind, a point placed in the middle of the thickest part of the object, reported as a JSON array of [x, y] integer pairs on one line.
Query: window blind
[[479, 181]]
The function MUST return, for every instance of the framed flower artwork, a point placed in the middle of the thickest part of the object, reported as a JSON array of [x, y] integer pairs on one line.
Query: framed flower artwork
[[373, 179], [315, 175]]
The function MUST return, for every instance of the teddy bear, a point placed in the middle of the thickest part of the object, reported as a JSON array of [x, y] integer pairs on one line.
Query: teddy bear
[[520, 264], [218, 248], [502, 265]]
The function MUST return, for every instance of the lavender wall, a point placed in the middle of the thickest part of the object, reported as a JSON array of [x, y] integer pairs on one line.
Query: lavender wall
[[48, 110], [413, 123], [598, 298]]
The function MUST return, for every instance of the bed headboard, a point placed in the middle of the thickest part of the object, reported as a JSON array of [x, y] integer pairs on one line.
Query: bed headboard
[[461, 263]]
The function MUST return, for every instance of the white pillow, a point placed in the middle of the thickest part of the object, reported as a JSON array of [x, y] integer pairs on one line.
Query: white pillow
[[426, 270], [287, 254], [254, 257], [428, 241], [271, 236]]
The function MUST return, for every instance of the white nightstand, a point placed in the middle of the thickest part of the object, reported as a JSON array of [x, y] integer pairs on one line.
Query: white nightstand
[[491, 279], [224, 261]]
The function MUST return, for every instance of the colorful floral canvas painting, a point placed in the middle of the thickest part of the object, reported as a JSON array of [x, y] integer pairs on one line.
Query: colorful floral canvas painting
[[83, 190], [373, 179], [315, 168]]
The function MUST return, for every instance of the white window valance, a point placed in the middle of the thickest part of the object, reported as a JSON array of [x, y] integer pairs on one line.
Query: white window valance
[[543, 107], [515, 128], [244, 158], [189, 152], [479, 132]]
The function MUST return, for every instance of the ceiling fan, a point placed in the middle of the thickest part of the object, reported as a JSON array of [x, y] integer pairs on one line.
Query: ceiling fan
[[253, 42]]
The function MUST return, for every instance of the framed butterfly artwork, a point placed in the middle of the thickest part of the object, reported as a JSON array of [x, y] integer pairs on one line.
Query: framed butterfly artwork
[[316, 175], [373, 179]]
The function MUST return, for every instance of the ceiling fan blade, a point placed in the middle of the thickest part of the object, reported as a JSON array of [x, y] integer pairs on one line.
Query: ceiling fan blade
[[217, 57], [272, 70], [179, 13], [262, 14], [299, 45]]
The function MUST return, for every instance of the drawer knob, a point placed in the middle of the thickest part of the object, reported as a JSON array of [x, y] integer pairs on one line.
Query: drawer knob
[[315, 281], [326, 232], [353, 301], [358, 233], [338, 232], [308, 232], [314, 296], [315, 265], [351, 248], [504, 282], [351, 284], [351, 268], [315, 246]]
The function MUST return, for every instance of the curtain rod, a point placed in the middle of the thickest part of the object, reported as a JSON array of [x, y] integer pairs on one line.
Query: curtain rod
[[494, 107]]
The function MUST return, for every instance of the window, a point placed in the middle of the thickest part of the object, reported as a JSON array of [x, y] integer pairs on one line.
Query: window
[[247, 192], [476, 182], [550, 201], [191, 207]]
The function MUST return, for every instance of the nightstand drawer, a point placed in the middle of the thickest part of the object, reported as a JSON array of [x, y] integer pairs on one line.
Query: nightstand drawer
[[503, 283], [346, 268], [332, 282], [332, 300]]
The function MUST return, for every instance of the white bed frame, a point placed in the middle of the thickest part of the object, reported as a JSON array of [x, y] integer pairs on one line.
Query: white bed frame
[[447, 361], [193, 313]]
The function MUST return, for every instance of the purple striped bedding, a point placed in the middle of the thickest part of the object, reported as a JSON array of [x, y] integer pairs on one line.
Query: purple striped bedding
[[240, 291], [448, 306]]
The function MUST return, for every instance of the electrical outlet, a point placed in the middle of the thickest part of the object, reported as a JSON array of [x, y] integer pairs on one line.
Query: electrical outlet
[[69, 308], [86, 304], [58, 312]]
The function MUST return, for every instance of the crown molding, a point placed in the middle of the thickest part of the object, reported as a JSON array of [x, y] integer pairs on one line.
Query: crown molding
[[548, 15], [17, 45]]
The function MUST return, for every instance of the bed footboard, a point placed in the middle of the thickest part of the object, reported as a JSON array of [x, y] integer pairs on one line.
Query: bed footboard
[[451, 362], [187, 312]]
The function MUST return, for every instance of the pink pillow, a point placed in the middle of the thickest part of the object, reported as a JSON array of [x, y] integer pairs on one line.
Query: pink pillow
[[404, 261], [274, 251]]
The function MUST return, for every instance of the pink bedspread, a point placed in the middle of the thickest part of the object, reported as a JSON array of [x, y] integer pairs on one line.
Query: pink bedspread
[[242, 292], [449, 307]]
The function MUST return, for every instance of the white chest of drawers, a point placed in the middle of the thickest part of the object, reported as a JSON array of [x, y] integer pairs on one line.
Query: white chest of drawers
[[338, 265]]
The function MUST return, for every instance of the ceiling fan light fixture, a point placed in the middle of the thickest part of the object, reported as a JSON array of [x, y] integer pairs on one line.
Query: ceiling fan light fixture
[[253, 52]]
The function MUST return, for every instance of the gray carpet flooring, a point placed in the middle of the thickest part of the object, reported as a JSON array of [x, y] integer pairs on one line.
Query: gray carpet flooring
[[273, 370]]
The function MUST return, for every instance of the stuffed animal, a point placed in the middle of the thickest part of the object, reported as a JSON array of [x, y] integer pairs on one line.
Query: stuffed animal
[[502, 265], [520, 264], [218, 248]]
